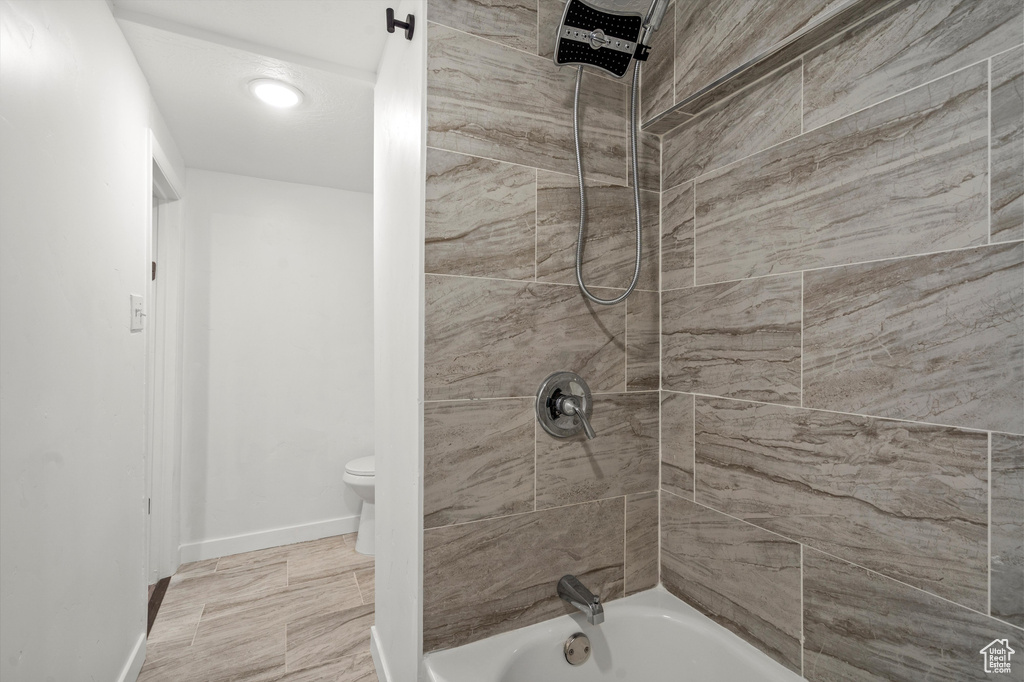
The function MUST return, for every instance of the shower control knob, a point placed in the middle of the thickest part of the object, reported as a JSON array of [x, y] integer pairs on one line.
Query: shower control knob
[[564, 405]]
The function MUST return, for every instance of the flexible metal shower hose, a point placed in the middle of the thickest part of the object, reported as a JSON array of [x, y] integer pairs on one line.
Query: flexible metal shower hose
[[583, 198]]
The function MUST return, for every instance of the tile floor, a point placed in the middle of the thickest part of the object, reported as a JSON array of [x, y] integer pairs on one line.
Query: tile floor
[[299, 613]]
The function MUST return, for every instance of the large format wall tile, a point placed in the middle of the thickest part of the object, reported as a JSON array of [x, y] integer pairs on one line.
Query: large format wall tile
[[495, 339], [677, 443], [936, 338], [907, 500], [907, 46], [480, 217], [510, 22], [716, 37], [487, 577], [623, 459], [761, 116], [736, 339], [609, 238], [859, 625], [489, 100], [641, 560], [1008, 145], [836, 195], [742, 577], [677, 237], [643, 341], [657, 76], [478, 460], [1008, 528]]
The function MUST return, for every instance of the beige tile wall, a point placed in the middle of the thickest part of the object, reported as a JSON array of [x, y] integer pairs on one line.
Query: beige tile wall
[[508, 509], [843, 339]]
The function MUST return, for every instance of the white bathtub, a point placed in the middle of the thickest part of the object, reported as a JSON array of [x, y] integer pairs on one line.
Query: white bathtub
[[648, 637]]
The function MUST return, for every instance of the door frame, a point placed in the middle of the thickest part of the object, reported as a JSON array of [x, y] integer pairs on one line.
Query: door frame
[[164, 344]]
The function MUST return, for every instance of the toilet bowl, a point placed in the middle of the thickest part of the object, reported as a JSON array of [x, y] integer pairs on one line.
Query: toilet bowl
[[359, 475]]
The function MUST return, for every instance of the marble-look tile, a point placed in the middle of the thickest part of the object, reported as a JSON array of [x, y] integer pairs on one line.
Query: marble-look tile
[[480, 217], [859, 625], [641, 560], [325, 637], [716, 37], [487, 577], [677, 443], [1008, 145], [742, 577], [252, 656], [936, 338], [677, 237], [275, 555], [1007, 528], [832, 196], [493, 101], [327, 559], [643, 341], [907, 500], [175, 626], [223, 586], [657, 77], [366, 579], [609, 246], [623, 459], [355, 560], [509, 22], [648, 163], [494, 339], [237, 616], [477, 460], [763, 115], [904, 47], [736, 339]]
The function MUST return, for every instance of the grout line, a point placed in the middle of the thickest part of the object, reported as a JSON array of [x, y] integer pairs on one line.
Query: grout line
[[989, 554], [851, 563], [196, 631], [359, 588], [536, 223], [287, 572], [801, 339], [528, 281], [693, 423], [802, 609], [625, 345], [842, 265], [586, 178], [803, 78], [693, 201], [969, 429], [988, 149]]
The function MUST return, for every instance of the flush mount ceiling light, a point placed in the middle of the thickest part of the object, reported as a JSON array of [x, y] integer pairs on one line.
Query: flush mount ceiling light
[[275, 93]]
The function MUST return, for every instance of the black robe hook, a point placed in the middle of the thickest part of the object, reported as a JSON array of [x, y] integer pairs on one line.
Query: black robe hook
[[409, 24]]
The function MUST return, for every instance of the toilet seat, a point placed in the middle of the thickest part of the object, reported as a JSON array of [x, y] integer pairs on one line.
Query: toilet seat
[[363, 466]]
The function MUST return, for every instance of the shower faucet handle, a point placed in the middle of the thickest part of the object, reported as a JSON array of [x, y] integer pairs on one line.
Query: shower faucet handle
[[564, 405], [571, 405]]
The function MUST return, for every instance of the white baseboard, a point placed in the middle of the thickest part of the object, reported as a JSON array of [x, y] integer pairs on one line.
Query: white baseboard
[[275, 537], [379, 662], [133, 666]]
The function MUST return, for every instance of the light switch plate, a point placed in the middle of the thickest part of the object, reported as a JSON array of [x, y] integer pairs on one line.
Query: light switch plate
[[137, 313]]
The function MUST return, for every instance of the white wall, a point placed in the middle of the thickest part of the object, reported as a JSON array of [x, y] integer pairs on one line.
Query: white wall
[[278, 389], [74, 196], [399, 191]]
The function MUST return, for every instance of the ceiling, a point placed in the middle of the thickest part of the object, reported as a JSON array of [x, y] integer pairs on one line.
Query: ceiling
[[200, 55]]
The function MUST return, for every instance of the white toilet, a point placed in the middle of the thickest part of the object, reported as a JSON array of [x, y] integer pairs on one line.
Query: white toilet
[[359, 474]]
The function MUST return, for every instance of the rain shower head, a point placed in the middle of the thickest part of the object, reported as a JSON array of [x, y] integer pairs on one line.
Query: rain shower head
[[602, 38]]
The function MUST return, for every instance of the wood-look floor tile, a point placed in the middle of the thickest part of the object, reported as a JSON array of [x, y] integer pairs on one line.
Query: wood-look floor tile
[[254, 655], [195, 569], [325, 637], [357, 668], [366, 580], [175, 626], [355, 561], [226, 586]]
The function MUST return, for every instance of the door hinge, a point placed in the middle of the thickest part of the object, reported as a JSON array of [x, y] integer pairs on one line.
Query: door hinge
[[154, 271], [149, 505]]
